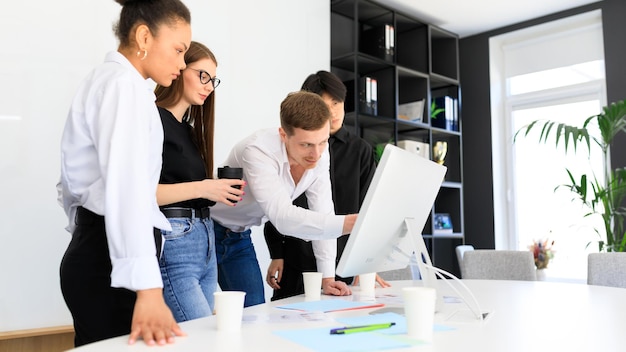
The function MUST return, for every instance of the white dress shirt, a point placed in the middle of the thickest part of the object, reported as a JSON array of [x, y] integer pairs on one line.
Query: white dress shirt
[[271, 191], [110, 164]]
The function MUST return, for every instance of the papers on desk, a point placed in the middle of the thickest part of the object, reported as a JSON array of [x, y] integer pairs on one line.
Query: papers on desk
[[330, 305], [399, 328], [320, 339]]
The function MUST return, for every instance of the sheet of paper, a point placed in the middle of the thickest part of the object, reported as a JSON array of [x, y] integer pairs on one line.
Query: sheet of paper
[[329, 305], [297, 317]]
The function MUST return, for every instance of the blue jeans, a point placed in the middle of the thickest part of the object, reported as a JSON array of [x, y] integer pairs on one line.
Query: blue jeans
[[189, 268], [238, 268]]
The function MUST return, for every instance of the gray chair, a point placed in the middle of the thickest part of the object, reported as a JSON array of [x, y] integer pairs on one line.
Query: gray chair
[[607, 269], [460, 250], [411, 272], [398, 274], [490, 264]]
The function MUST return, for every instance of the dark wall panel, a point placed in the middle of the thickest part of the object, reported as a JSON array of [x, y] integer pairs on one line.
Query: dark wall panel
[[613, 15], [477, 167]]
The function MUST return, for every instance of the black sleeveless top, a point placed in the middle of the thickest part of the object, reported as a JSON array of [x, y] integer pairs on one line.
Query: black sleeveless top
[[182, 161]]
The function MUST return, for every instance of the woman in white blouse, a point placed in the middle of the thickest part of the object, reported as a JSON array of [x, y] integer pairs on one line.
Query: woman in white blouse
[[110, 165]]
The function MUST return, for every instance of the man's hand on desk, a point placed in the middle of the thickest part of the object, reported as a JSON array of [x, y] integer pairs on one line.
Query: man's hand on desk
[[382, 282], [335, 288]]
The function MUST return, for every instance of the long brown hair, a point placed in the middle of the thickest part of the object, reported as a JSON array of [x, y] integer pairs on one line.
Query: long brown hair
[[200, 117]]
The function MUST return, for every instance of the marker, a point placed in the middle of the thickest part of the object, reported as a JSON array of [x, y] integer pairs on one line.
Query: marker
[[361, 328]]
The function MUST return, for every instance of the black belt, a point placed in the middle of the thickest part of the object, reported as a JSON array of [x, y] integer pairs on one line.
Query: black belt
[[202, 213], [85, 216]]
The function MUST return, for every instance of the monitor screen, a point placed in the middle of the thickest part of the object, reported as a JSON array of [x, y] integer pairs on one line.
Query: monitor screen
[[396, 207]]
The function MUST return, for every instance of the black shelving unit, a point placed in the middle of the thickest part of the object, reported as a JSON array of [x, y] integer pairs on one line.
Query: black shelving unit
[[414, 63]]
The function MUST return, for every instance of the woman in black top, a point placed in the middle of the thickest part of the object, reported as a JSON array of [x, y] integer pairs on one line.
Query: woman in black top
[[186, 189]]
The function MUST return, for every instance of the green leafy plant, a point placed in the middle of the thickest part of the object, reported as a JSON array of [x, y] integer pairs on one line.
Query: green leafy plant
[[604, 199], [379, 148], [434, 110]]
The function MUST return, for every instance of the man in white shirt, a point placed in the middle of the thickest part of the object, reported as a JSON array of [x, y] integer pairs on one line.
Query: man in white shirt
[[278, 166]]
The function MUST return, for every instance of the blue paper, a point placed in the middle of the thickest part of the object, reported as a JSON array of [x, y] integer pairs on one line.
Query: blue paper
[[320, 339], [399, 328]]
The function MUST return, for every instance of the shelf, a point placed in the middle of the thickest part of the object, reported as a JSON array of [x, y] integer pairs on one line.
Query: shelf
[[412, 44], [446, 235], [444, 53], [414, 65], [447, 184]]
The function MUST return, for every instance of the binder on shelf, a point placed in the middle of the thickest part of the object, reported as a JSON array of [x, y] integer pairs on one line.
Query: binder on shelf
[[411, 111], [448, 118], [389, 42], [368, 95], [379, 41]]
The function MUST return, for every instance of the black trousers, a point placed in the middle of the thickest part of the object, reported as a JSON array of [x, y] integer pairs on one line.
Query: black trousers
[[298, 258], [99, 310]]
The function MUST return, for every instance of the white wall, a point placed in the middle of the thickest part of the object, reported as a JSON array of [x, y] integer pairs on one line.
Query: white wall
[[264, 49]]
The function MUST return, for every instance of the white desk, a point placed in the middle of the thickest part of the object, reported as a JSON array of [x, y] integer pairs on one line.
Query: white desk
[[527, 316]]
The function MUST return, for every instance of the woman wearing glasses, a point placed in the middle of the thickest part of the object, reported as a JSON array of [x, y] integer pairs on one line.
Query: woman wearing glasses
[[186, 189]]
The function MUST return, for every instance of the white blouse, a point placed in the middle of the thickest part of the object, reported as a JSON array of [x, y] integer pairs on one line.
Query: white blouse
[[110, 164], [271, 191]]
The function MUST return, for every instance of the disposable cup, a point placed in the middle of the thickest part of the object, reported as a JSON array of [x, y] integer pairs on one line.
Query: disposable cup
[[367, 282], [229, 310], [312, 285], [419, 311]]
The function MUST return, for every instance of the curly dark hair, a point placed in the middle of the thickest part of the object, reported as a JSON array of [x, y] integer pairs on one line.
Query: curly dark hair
[[152, 13]]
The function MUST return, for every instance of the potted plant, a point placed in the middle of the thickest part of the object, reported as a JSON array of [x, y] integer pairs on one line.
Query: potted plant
[[602, 198], [542, 252]]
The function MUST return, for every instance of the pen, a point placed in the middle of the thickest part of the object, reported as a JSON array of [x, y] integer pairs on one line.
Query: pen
[[361, 328]]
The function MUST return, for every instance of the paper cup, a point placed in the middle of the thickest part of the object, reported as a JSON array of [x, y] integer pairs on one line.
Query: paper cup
[[367, 282], [312, 285], [229, 310], [419, 311]]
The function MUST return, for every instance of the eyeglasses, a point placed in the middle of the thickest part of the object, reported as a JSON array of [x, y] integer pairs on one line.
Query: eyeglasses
[[205, 78]]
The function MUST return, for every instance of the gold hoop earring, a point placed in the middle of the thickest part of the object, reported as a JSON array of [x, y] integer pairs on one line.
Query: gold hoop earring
[[145, 53]]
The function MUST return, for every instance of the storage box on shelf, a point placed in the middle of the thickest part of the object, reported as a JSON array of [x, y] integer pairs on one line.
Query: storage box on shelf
[[413, 64]]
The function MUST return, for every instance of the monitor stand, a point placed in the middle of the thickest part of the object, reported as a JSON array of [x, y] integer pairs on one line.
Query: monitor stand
[[429, 273]]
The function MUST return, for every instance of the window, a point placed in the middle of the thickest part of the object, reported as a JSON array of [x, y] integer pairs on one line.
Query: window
[[553, 71], [555, 78]]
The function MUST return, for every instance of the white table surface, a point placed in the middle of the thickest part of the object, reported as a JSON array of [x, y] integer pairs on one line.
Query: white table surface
[[526, 316]]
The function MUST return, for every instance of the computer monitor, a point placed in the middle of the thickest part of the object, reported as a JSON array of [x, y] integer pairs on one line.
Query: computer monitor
[[396, 207]]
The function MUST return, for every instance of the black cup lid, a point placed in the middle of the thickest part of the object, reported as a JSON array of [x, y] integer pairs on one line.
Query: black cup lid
[[230, 172]]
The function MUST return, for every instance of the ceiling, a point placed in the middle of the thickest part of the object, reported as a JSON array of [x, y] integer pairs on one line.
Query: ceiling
[[469, 17]]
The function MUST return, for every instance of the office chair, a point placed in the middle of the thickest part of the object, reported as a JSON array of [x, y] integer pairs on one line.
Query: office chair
[[398, 274], [490, 264], [460, 250], [411, 272], [607, 269]]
